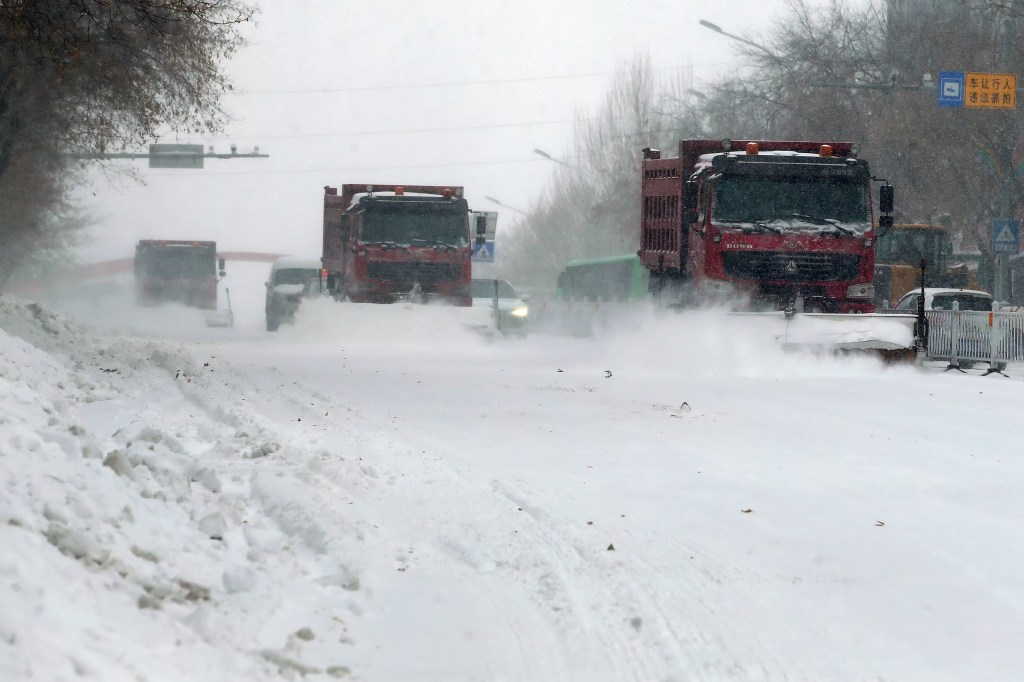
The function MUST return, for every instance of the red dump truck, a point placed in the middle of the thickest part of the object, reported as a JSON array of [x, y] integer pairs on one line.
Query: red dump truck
[[169, 271], [385, 243], [775, 225]]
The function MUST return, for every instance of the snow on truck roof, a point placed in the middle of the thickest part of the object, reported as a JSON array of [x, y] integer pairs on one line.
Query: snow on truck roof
[[706, 159], [390, 195]]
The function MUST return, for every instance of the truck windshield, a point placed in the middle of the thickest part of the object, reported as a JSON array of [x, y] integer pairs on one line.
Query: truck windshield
[[908, 245], [178, 263], [792, 203], [408, 222]]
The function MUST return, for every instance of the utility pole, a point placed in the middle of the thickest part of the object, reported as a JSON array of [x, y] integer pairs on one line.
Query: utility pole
[[1007, 141]]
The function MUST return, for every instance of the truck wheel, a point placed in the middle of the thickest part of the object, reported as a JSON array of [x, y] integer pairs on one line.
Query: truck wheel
[[272, 324]]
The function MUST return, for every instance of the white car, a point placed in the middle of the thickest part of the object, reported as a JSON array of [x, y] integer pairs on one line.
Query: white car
[[513, 313], [936, 298], [290, 280]]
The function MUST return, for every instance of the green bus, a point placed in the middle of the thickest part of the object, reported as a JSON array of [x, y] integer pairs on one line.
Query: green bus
[[613, 278]]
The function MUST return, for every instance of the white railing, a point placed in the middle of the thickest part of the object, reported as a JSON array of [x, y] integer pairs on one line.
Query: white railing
[[966, 337]]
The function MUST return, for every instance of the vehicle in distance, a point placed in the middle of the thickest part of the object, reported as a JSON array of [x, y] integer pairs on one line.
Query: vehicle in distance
[[512, 311], [388, 243], [898, 257], [177, 271], [290, 280], [612, 278]]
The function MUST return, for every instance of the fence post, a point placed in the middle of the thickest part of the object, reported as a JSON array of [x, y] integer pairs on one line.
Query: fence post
[[994, 365], [954, 337]]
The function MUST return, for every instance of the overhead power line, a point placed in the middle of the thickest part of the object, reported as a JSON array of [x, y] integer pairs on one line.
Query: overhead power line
[[452, 84], [405, 131], [296, 171]]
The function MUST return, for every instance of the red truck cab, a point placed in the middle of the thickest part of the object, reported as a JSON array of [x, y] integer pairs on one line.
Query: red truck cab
[[775, 224], [385, 243]]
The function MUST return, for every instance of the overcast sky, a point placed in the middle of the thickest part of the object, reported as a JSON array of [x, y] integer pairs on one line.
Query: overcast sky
[[407, 91]]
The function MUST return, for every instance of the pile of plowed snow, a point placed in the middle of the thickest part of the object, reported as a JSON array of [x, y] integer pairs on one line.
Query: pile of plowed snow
[[133, 551]]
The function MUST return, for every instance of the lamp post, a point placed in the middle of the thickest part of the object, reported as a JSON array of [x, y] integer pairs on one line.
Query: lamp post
[[511, 208], [718, 29], [544, 154]]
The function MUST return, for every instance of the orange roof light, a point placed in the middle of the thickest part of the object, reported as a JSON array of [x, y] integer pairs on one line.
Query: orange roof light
[[447, 193], [826, 150], [399, 191], [752, 148]]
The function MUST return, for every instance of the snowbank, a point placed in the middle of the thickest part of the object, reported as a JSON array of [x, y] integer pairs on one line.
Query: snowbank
[[134, 551]]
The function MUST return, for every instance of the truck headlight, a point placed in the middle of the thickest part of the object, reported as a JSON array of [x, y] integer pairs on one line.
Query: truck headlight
[[520, 311], [860, 291]]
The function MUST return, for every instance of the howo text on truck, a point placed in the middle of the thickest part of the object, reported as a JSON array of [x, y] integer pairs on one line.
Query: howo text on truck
[[384, 243], [778, 225], [169, 271]]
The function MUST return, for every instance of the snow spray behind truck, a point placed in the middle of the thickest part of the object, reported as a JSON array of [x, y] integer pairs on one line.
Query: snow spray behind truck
[[779, 225], [385, 243], [168, 271]]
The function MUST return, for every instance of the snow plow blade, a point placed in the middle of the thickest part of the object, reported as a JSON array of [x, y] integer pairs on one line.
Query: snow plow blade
[[890, 337]]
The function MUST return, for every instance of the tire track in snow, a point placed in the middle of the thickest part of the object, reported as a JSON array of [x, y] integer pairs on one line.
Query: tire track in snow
[[678, 640], [308, 516]]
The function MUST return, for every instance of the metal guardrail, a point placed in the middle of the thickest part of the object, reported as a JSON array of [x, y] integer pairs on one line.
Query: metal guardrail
[[965, 337]]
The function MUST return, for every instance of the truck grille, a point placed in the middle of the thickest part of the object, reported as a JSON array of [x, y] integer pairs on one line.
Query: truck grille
[[415, 272], [791, 267]]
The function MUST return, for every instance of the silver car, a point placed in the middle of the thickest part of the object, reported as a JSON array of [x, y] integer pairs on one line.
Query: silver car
[[512, 312]]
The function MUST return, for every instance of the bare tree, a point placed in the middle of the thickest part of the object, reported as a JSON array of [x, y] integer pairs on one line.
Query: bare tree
[[88, 76], [592, 206], [867, 74]]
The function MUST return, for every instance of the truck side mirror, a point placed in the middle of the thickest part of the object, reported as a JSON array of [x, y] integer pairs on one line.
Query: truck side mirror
[[346, 227], [689, 202], [481, 225], [220, 266], [884, 224], [885, 198]]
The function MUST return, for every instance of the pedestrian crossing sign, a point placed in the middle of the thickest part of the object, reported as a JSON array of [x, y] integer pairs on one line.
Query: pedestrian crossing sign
[[1005, 236], [484, 253]]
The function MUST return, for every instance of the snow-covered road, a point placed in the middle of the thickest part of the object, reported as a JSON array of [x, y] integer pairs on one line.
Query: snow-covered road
[[377, 493]]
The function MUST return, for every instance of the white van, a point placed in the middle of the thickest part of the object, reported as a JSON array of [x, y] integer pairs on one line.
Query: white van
[[290, 280]]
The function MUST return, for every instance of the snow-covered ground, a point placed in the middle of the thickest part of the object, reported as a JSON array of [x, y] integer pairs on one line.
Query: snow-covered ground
[[378, 493]]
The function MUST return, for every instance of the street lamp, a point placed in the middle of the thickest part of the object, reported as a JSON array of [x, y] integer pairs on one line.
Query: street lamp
[[718, 29], [541, 152], [511, 208]]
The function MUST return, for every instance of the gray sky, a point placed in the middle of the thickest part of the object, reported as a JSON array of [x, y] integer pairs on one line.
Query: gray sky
[[445, 92]]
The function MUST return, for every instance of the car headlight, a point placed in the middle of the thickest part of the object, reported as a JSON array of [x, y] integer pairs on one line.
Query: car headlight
[[860, 291], [520, 311]]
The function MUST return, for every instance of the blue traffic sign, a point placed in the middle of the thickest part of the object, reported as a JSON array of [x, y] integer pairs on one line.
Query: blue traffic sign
[[484, 253], [1005, 236], [951, 88]]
